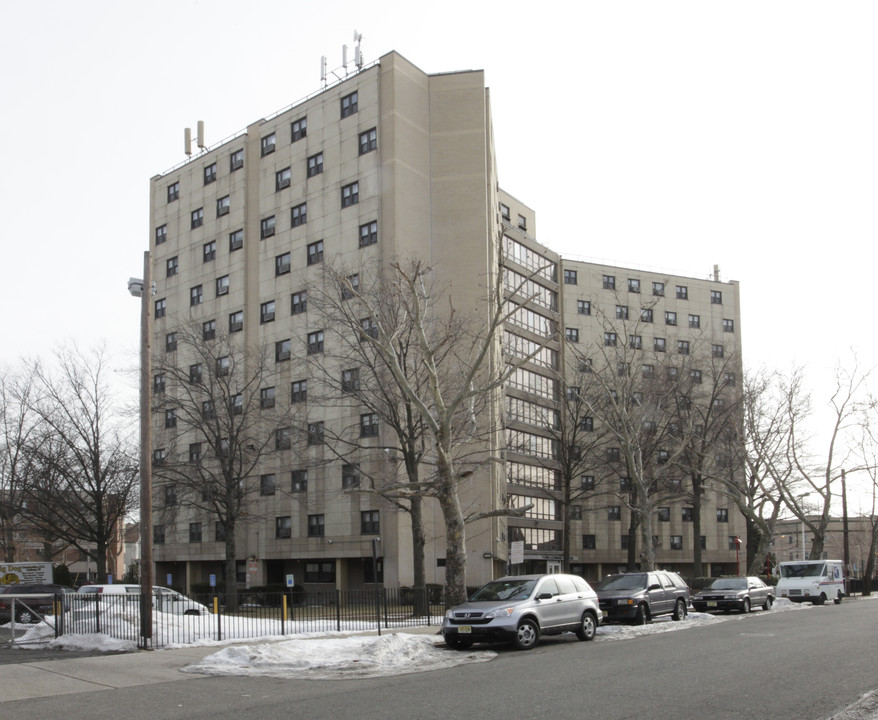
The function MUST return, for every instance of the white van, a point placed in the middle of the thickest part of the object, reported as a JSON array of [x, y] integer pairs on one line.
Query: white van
[[813, 581], [163, 599]]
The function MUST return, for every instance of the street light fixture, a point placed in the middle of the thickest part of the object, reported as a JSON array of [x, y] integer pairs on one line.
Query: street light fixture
[[799, 498], [136, 287]]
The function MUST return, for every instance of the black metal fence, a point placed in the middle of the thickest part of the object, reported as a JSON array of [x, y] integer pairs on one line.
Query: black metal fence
[[209, 617]]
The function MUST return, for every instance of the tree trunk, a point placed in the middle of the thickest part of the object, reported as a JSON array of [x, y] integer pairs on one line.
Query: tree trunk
[[455, 540], [231, 569], [421, 601], [632, 542], [697, 496], [101, 562], [870, 563], [763, 547], [647, 551]]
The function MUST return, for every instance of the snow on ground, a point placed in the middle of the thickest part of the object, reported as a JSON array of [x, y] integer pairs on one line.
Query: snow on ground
[[338, 658]]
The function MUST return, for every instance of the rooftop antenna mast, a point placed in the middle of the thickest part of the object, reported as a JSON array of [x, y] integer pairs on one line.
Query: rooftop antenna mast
[[358, 61]]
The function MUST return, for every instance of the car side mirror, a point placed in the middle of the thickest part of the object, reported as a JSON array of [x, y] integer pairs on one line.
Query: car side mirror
[[656, 586], [544, 596]]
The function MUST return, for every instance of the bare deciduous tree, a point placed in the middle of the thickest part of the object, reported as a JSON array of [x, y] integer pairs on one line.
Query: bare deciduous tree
[[217, 402], [86, 470], [457, 357]]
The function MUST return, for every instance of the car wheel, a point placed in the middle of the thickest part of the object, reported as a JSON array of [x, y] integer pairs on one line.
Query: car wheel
[[587, 627], [641, 616], [27, 616], [837, 600], [745, 606], [768, 603], [679, 609], [820, 600], [527, 635], [456, 643]]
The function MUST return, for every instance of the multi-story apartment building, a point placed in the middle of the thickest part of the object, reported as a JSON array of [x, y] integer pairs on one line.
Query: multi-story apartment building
[[391, 163]]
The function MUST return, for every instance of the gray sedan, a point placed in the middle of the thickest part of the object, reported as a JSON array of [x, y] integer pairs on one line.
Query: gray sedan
[[734, 593]]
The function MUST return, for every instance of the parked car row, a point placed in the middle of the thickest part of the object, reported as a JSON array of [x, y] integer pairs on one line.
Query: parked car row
[[521, 609], [39, 599]]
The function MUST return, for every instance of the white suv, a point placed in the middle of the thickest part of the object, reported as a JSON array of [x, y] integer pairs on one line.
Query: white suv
[[522, 608]]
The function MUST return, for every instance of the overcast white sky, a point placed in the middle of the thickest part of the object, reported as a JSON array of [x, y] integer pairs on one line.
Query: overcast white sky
[[666, 134]]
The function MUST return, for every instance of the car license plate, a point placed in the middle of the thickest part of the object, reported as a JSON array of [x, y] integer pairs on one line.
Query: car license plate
[[465, 629], [711, 603]]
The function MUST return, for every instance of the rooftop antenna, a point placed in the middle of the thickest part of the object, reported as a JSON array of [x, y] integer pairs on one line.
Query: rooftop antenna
[[358, 61], [199, 138], [358, 53]]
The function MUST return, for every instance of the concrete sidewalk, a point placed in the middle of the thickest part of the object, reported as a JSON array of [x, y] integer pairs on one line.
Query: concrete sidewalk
[[27, 680]]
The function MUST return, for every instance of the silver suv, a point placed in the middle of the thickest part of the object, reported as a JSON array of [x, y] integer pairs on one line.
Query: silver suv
[[520, 609]]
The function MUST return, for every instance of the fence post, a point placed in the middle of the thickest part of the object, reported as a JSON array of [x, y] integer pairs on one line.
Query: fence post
[[338, 610]]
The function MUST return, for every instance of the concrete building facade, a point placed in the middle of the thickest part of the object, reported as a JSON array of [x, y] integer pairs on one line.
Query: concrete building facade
[[389, 163]]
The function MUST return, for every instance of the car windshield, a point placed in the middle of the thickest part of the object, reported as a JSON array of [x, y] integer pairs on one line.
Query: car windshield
[[801, 570], [622, 582], [728, 584], [504, 590]]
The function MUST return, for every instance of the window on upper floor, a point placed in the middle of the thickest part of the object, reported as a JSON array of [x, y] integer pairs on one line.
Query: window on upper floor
[[583, 307], [196, 295], [282, 179], [267, 484], [315, 342], [197, 218], [208, 330], [282, 350], [716, 297], [266, 398], [658, 289], [368, 141], [282, 264], [659, 345], [350, 194], [173, 191], [504, 212], [170, 342], [349, 104], [236, 160], [621, 312], [694, 321], [299, 302], [210, 174], [646, 315], [728, 325], [522, 223], [236, 321], [223, 206], [369, 425], [266, 312], [208, 251], [682, 292], [161, 234], [171, 267], [266, 227], [670, 318], [633, 285], [369, 233], [298, 129], [717, 351], [572, 334], [570, 277], [683, 347], [268, 144], [315, 165], [315, 252], [608, 282], [299, 391], [236, 240], [299, 215], [299, 481]]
